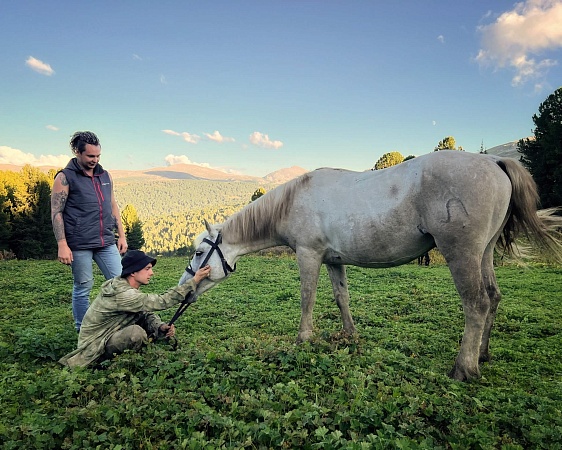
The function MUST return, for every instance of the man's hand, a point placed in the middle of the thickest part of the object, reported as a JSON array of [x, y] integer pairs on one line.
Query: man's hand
[[64, 253], [203, 272], [170, 330], [122, 245]]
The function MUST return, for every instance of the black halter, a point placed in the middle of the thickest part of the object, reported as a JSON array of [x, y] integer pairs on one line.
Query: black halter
[[188, 300], [214, 247]]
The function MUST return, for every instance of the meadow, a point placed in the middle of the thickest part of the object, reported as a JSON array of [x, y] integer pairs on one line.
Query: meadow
[[238, 380]]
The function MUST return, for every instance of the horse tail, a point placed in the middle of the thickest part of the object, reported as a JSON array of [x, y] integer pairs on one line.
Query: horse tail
[[541, 227]]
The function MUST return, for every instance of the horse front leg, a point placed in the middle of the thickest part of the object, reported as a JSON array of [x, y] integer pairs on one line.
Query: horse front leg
[[341, 295], [309, 270]]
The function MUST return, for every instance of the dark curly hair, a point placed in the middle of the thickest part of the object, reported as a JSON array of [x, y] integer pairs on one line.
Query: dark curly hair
[[79, 140]]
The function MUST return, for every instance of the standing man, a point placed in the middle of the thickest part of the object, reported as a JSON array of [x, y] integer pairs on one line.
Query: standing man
[[85, 216]]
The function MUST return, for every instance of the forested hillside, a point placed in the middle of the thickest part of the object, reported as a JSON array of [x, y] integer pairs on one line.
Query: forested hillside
[[172, 212], [163, 198]]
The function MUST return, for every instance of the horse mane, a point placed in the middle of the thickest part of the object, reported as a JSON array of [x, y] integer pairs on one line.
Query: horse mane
[[259, 219]]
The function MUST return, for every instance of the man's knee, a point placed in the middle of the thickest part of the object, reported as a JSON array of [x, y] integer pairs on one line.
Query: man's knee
[[138, 336], [81, 285], [130, 338]]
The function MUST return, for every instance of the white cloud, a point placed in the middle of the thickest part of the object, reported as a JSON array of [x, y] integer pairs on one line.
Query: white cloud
[[163, 79], [519, 36], [14, 156], [187, 137], [177, 159], [262, 140], [488, 14], [191, 138], [136, 57], [441, 38], [182, 159], [217, 137], [39, 66], [52, 128], [194, 138]]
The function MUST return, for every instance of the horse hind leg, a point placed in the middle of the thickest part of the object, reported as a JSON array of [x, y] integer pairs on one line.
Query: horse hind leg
[[341, 295], [467, 275], [494, 294]]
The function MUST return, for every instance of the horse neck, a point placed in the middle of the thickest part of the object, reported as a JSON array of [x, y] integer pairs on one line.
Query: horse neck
[[255, 227], [243, 248]]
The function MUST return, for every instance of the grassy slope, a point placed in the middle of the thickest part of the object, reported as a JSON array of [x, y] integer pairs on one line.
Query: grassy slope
[[238, 381]]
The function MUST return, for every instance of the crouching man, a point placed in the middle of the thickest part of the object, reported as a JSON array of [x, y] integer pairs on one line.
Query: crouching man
[[121, 317]]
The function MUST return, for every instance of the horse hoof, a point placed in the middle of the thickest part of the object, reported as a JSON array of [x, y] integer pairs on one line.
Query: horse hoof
[[459, 374], [456, 375], [484, 359], [304, 336]]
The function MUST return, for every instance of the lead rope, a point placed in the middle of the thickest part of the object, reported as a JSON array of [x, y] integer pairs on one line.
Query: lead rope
[[188, 300]]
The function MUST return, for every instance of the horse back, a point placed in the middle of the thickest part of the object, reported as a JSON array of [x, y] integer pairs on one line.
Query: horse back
[[390, 216]]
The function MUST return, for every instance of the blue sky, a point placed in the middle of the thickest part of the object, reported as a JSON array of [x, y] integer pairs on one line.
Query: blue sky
[[255, 86]]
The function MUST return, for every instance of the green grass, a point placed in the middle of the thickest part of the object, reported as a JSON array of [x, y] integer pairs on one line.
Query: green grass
[[238, 380]]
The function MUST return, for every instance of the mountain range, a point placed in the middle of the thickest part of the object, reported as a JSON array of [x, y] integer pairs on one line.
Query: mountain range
[[508, 150], [195, 172], [185, 172]]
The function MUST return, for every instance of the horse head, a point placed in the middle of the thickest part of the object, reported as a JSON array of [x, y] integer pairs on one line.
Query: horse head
[[209, 250]]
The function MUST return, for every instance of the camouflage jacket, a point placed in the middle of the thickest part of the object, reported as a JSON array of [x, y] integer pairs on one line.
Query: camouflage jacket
[[117, 306]]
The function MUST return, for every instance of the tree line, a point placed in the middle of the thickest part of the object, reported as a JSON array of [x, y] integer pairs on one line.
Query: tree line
[[163, 217], [25, 214], [159, 217]]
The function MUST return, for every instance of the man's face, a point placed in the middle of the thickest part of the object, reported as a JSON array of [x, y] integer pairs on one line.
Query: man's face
[[143, 276], [90, 157]]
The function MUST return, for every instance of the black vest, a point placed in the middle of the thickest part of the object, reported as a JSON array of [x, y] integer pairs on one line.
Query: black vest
[[88, 219]]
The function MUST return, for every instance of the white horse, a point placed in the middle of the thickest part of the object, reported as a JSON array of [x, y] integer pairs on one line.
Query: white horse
[[462, 203]]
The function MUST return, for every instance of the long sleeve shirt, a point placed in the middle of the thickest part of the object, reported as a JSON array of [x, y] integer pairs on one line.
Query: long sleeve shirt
[[117, 306]]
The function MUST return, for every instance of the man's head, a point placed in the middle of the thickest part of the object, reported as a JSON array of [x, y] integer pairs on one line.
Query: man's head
[[87, 149], [80, 139], [137, 267]]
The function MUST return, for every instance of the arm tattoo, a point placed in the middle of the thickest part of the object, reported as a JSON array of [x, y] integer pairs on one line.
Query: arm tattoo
[[58, 202]]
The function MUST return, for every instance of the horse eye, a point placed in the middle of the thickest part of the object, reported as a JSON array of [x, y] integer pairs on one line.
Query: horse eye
[[198, 253]]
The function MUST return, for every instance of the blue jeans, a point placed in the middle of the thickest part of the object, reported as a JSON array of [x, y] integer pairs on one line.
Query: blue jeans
[[108, 260]]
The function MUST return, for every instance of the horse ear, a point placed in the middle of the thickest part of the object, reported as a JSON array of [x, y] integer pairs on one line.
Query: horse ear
[[207, 226]]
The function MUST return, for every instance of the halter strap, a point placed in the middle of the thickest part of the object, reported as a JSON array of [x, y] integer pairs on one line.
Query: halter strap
[[214, 247], [189, 299]]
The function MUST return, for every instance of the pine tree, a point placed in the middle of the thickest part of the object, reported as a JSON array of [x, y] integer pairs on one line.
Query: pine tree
[[5, 226], [388, 160], [258, 193], [133, 228], [542, 154], [448, 143], [135, 238], [32, 235]]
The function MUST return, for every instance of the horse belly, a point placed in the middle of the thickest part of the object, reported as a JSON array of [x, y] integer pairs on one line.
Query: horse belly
[[378, 242]]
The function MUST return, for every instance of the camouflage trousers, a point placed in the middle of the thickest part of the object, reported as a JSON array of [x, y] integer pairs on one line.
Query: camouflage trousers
[[129, 338]]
